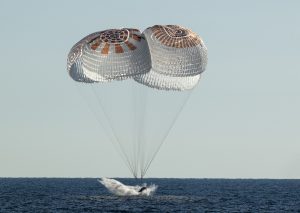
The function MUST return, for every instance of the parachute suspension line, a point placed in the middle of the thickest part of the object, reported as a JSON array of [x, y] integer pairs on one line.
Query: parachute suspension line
[[112, 138], [138, 123], [135, 126], [142, 141], [142, 130], [145, 169], [125, 156], [119, 144], [141, 99]]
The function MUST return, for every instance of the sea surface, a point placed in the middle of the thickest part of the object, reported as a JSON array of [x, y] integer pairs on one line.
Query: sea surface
[[172, 195]]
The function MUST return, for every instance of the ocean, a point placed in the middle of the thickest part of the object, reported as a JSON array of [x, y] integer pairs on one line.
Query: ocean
[[172, 195]]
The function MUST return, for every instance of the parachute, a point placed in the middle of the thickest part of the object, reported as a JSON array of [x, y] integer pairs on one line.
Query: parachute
[[136, 84]]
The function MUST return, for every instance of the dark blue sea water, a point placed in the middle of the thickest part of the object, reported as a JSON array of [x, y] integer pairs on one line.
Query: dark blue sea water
[[173, 195]]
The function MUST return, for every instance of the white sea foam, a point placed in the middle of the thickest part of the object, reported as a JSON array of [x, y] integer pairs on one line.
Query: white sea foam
[[117, 188]]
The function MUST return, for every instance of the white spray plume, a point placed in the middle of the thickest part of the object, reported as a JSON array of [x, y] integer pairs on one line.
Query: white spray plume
[[117, 188]]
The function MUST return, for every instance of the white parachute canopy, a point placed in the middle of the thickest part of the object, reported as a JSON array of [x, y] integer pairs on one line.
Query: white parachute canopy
[[137, 84], [178, 57]]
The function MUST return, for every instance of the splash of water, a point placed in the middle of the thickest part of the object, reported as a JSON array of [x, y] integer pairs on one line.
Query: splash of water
[[118, 188]]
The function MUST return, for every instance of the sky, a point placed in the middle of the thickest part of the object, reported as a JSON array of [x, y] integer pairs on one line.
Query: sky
[[242, 120]]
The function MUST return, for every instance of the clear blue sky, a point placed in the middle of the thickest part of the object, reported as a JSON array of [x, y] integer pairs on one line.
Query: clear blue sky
[[242, 121]]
